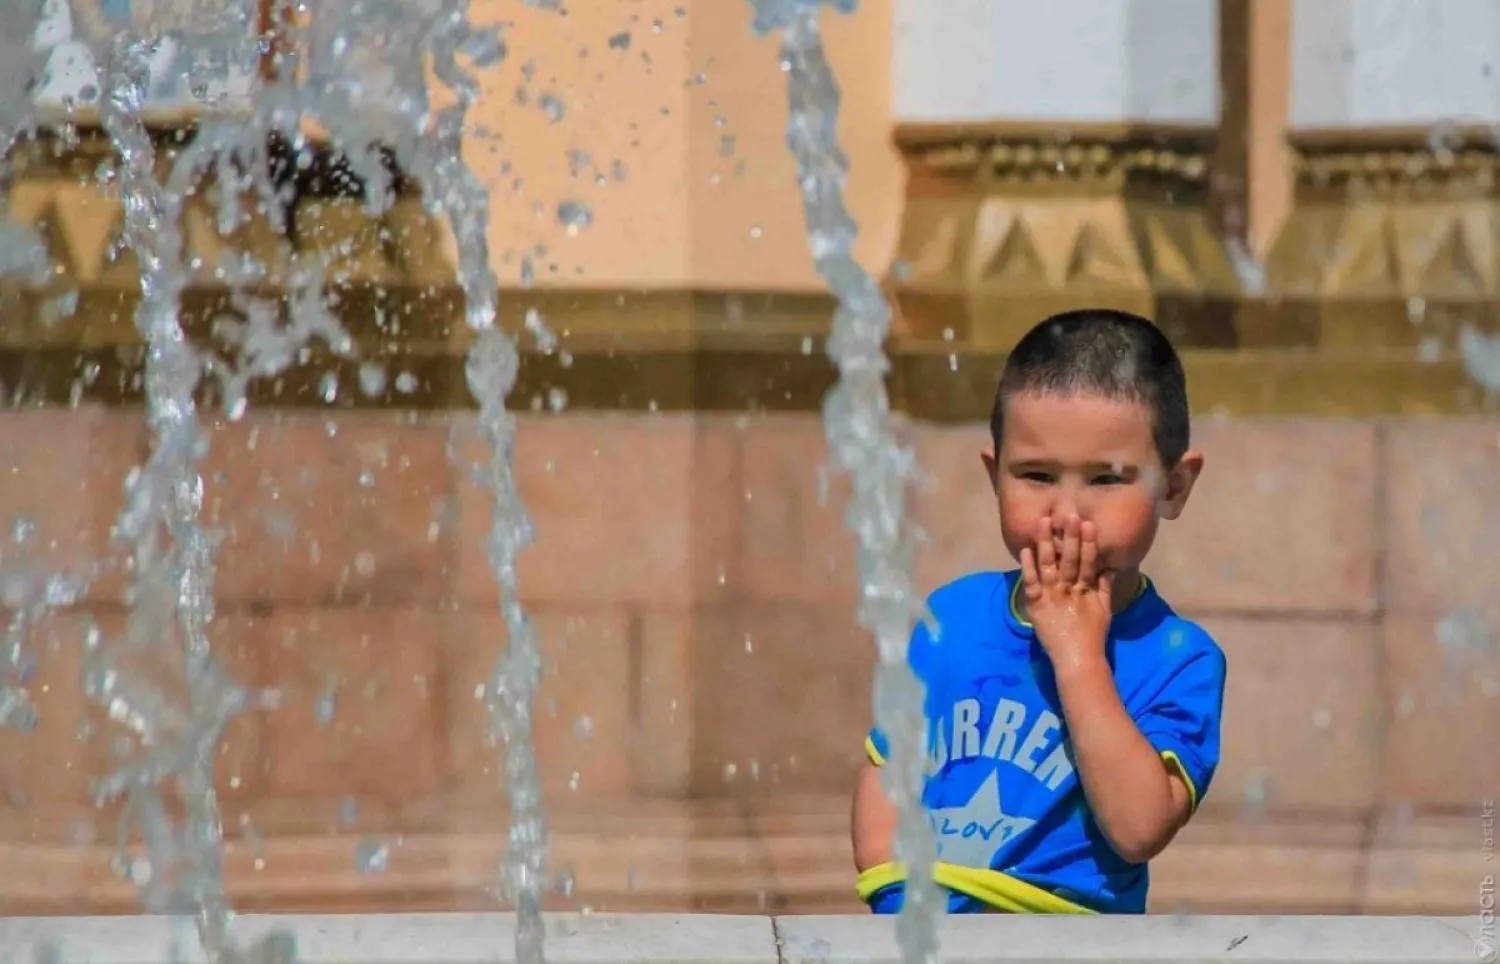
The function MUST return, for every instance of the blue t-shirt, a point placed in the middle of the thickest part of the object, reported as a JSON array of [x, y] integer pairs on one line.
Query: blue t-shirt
[[1002, 793]]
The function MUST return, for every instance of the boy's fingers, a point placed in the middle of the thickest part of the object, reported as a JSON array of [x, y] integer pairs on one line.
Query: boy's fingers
[[1028, 573], [1068, 570], [1046, 556], [1088, 558]]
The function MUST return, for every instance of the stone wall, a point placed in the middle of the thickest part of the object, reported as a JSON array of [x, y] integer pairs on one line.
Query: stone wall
[[706, 686]]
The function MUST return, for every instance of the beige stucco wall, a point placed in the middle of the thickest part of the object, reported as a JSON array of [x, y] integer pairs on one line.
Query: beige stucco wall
[[685, 214]]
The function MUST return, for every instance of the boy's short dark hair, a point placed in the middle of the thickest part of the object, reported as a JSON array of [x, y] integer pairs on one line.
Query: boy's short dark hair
[[1106, 352]]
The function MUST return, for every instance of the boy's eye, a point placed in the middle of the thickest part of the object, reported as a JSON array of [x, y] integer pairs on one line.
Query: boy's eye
[[1034, 476], [1107, 480]]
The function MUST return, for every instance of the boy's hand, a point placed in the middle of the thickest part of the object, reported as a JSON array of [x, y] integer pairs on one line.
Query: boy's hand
[[1067, 598]]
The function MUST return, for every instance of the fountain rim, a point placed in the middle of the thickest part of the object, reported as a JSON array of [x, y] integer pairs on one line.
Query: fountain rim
[[462, 938]]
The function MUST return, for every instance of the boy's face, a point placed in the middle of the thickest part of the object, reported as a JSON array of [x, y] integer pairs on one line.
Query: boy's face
[[1089, 456]]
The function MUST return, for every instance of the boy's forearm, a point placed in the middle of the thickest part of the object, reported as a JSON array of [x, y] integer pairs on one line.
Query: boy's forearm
[[1130, 791], [873, 821]]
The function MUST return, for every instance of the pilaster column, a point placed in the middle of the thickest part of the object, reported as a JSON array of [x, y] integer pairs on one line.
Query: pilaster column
[[1058, 156]]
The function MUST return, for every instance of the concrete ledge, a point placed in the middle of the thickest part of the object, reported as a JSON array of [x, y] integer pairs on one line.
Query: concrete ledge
[[691, 939]]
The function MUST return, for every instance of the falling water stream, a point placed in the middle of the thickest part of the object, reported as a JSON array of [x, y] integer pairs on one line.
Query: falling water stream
[[861, 436]]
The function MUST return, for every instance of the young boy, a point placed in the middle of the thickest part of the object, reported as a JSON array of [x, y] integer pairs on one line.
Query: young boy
[[1073, 717]]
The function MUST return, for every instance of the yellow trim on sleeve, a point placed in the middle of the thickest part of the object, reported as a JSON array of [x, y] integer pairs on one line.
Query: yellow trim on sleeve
[[874, 879], [873, 752], [1174, 763], [991, 887]]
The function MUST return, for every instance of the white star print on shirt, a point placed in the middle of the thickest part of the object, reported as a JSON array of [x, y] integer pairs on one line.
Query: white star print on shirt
[[972, 834]]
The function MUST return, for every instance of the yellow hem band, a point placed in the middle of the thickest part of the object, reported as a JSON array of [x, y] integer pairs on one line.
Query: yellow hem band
[[990, 887]]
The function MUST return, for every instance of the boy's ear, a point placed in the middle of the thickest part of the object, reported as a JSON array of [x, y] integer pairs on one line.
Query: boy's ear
[[1180, 483], [991, 467]]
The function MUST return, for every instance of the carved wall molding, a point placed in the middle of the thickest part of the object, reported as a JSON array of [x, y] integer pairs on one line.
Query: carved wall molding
[[1007, 223], [1393, 242], [61, 196], [1004, 225]]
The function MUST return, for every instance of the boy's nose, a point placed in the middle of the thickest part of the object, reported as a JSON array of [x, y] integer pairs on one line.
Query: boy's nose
[[1066, 506]]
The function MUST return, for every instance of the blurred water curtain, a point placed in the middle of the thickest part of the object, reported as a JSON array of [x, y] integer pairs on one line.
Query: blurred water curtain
[[262, 88]]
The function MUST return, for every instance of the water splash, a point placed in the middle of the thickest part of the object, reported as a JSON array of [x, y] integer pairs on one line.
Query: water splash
[[177, 722], [428, 145], [173, 575], [436, 160], [861, 435], [29, 592], [1480, 353]]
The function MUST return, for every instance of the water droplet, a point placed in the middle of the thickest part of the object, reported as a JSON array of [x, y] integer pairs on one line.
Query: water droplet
[[553, 107], [755, 231], [141, 871], [574, 216], [557, 399], [371, 379], [372, 857], [546, 338], [1257, 795], [325, 706], [328, 387], [1481, 356], [1443, 138], [729, 772], [406, 383]]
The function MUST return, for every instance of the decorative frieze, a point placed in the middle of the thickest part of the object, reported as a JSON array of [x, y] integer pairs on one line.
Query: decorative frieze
[[1008, 223]]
